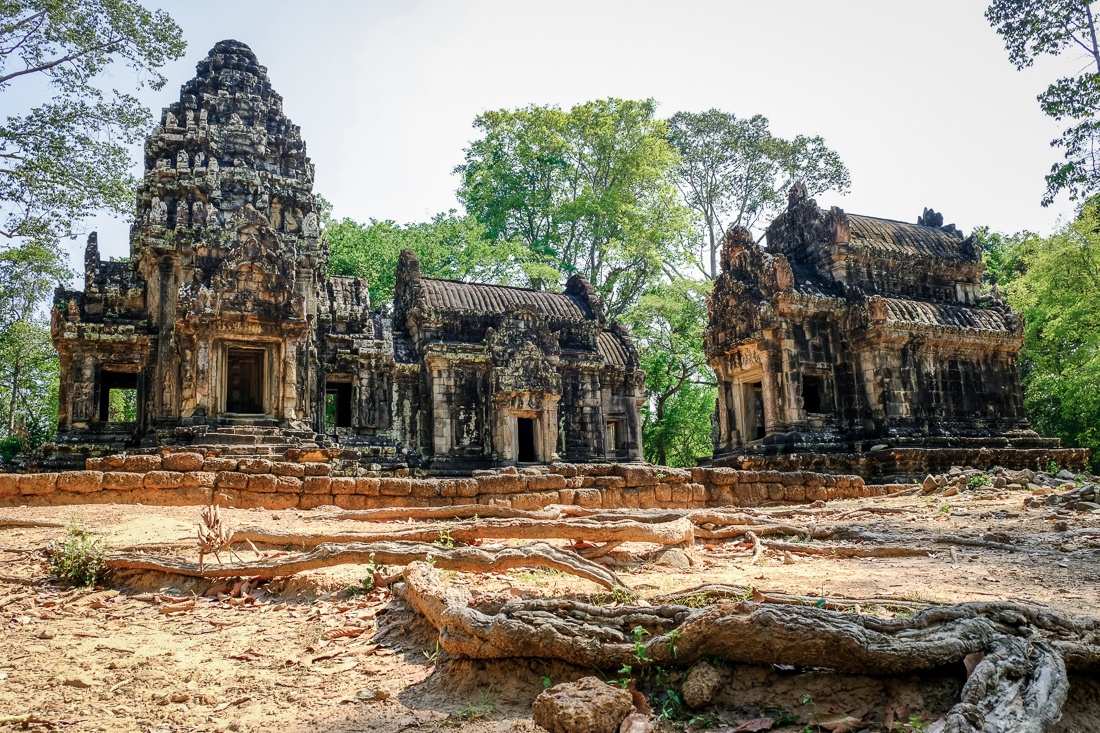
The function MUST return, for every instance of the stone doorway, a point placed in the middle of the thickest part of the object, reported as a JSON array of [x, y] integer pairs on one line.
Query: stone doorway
[[525, 434], [244, 392]]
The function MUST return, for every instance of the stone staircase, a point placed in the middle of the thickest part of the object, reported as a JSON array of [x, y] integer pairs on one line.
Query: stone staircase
[[257, 440]]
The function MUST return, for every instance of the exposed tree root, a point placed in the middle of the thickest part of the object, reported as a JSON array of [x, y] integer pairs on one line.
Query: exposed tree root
[[710, 592], [6, 523], [678, 532], [460, 511], [466, 559], [807, 548], [1019, 684]]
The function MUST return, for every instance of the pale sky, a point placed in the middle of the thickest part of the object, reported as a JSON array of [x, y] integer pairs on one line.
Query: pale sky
[[919, 99]]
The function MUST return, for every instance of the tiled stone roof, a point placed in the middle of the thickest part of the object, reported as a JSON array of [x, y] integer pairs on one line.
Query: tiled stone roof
[[897, 239], [612, 349], [450, 295], [920, 313]]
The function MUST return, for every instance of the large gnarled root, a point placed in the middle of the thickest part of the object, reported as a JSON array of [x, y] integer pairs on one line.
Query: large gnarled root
[[677, 532], [465, 559], [1019, 684]]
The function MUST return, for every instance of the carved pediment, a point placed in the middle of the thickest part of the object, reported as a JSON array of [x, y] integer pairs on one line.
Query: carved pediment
[[255, 279], [524, 353]]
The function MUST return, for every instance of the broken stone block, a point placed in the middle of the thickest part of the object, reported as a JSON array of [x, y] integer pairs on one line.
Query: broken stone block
[[702, 683], [588, 705]]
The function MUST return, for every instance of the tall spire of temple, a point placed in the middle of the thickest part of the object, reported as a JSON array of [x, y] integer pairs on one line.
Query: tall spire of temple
[[225, 145]]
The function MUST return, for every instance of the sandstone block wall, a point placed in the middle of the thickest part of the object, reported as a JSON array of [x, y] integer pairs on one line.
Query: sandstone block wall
[[182, 478]]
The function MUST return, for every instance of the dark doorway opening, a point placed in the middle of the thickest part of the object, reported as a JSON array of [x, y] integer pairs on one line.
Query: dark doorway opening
[[118, 397], [526, 432], [337, 405], [813, 393], [757, 424], [245, 381]]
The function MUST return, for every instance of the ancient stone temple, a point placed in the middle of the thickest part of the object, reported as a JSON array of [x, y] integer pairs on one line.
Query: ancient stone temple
[[862, 344], [223, 327]]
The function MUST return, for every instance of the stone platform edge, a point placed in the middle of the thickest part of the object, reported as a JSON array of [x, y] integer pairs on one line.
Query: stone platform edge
[[182, 478]]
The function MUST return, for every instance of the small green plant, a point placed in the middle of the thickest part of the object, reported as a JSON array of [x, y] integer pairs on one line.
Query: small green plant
[[485, 706], [915, 724], [705, 720], [697, 600], [1053, 468], [977, 481], [433, 656], [640, 652], [368, 582], [547, 682], [673, 637], [445, 539], [79, 560], [627, 672], [945, 508], [621, 595], [808, 701]]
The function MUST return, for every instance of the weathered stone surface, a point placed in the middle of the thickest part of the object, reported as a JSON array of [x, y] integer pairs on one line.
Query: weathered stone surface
[[141, 464], [164, 480], [254, 465], [317, 485], [122, 481], [588, 705], [219, 464], [81, 482], [284, 468], [182, 461], [638, 474], [261, 482], [701, 685]]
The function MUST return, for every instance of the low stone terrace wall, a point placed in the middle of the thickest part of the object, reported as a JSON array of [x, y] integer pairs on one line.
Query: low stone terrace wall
[[182, 478]]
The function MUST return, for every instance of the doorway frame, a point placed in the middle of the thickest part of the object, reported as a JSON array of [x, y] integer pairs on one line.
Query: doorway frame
[[270, 376]]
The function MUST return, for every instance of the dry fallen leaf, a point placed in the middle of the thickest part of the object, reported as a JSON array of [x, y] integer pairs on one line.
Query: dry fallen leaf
[[247, 655], [751, 725], [222, 706], [344, 631]]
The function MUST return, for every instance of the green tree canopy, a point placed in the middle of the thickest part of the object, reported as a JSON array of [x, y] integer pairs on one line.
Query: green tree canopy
[[1053, 283], [449, 246], [735, 172], [585, 191], [68, 156], [1034, 28], [667, 326]]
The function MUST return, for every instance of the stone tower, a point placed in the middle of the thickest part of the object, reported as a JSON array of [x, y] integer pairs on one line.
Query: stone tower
[[209, 315]]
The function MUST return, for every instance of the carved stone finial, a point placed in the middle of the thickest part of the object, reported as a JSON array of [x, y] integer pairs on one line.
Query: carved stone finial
[[930, 218], [797, 194], [736, 239]]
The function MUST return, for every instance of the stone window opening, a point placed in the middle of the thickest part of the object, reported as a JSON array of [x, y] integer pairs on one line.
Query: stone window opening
[[118, 397], [813, 394], [525, 434], [612, 437], [337, 405]]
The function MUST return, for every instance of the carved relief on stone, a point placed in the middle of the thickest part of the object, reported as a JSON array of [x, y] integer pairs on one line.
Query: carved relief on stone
[[310, 226], [198, 214], [158, 211], [202, 118], [190, 116], [170, 121], [181, 215]]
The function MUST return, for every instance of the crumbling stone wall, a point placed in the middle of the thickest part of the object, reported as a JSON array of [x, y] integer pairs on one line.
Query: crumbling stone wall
[[185, 478]]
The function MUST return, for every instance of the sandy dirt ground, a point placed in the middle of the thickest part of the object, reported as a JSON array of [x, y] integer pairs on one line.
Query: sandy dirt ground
[[149, 652]]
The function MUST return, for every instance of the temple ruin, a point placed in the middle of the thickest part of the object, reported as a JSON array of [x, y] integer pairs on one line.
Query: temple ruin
[[224, 329], [861, 344]]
